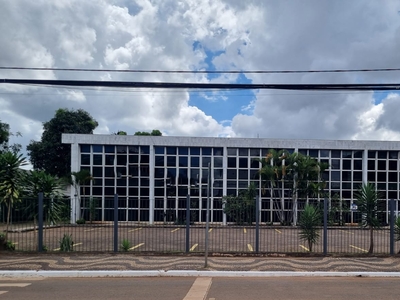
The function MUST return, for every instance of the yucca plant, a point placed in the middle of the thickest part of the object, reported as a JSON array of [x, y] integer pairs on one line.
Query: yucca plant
[[367, 202], [11, 178], [310, 219], [125, 245], [66, 243]]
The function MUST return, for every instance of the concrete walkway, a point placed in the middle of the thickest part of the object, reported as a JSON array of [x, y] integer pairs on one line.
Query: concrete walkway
[[130, 262]]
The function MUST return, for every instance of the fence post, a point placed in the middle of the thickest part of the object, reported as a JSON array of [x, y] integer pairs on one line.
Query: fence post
[[116, 223], [257, 224], [187, 222], [207, 216], [391, 207], [325, 226], [40, 223]]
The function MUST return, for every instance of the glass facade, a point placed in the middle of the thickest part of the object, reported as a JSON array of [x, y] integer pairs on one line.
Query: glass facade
[[153, 180]]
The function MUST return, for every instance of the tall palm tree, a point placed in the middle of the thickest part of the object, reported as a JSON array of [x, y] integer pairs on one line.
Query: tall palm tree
[[11, 178], [367, 202], [273, 170], [306, 174], [80, 178]]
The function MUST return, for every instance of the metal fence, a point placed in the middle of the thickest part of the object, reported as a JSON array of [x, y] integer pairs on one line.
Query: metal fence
[[44, 225]]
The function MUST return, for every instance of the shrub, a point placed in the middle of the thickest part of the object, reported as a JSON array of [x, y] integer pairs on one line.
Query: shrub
[[125, 245], [66, 243], [80, 221]]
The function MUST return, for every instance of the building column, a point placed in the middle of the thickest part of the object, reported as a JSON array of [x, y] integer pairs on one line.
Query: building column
[[224, 181], [365, 166], [151, 192], [75, 207]]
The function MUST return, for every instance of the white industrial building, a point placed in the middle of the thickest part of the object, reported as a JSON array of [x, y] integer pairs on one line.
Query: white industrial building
[[152, 175]]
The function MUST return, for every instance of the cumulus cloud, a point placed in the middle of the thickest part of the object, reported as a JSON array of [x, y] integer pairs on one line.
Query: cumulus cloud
[[198, 35]]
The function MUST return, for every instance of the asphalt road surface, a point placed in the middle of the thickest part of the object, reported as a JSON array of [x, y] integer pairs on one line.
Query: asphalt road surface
[[192, 288]]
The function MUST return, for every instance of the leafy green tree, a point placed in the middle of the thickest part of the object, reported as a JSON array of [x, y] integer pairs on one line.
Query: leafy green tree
[[155, 132], [5, 135], [241, 208], [310, 219], [50, 154], [367, 202], [121, 133], [11, 179]]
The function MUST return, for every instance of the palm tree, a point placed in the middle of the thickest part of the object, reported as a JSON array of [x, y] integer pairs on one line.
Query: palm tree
[[11, 178], [309, 221], [40, 182], [273, 170], [79, 178], [307, 181], [367, 202]]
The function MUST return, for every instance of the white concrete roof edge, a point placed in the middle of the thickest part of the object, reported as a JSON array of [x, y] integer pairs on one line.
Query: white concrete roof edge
[[189, 273]]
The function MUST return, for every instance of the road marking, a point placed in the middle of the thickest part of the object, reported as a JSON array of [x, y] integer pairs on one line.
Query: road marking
[[361, 249], [250, 247], [278, 231], [305, 248], [244, 230], [14, 284], [346, 231], [77, 244], [134, 229], [209, 230], [175, 230], [3, 292], [86, 230], [199, 289], [193, 247], [137, 246]]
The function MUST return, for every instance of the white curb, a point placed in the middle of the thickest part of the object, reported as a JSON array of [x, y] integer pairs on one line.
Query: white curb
[[188, 273]]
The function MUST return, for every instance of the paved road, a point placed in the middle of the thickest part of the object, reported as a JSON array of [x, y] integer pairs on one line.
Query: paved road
[[189, 288]]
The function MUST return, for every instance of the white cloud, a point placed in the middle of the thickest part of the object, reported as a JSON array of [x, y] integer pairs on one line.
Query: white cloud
[[247, 35]]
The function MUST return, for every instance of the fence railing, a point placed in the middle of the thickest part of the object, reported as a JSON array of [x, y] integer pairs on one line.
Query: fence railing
[[44, 225]]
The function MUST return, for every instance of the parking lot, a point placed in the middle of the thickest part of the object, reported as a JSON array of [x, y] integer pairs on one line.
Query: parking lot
[[222, 239]]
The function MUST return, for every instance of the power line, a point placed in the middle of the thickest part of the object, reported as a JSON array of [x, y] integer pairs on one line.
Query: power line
[[204, 71], [177, 85]]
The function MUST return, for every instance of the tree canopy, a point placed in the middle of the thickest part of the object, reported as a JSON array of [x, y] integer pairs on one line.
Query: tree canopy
[[4, 133], [50, 154], [155, 132]]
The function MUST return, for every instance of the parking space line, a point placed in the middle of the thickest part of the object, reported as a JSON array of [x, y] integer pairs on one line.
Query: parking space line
[[135, 229], [278, 231], [193, 247], [175, 230], [3, 292], [361, 249], [14, 284], [250, 247], [305, 248], [244, 230], [137, 246], [347, 231], [86, 230]]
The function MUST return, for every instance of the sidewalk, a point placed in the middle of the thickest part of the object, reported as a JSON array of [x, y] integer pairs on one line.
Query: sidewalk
[[130, 262]]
